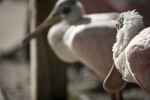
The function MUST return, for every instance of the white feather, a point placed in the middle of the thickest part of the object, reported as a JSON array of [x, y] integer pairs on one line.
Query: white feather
[[132, 25]]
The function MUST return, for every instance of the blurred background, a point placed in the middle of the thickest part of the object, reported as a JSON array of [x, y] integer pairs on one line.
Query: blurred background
[[82, 83]]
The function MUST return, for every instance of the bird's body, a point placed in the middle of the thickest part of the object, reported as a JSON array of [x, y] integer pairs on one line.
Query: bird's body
[[131, 52], [75, 36], [89, 40], [138, 58]]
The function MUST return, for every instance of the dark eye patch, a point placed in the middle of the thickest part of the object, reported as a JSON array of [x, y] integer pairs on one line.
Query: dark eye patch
[[120, 21], [66, 10]]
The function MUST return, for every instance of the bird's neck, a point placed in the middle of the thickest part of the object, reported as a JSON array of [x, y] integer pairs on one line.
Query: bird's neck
[[55, 39], [124, 36]]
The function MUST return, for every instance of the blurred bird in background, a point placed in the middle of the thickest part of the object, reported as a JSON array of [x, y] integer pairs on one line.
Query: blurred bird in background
[[75, 36]]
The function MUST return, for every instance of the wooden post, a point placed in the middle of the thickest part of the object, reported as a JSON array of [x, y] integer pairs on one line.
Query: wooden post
[[48, 73]]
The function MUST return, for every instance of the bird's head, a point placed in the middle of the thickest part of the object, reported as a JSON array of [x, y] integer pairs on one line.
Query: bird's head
[[68, 10], [129, 18]]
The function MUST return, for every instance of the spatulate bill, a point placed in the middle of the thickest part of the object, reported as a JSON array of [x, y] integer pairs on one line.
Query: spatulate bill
[[114, 83]]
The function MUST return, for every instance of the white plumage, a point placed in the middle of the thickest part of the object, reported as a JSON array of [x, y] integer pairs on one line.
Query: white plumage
[[84, 38], [132, 25], [75, 36], [131, 52]]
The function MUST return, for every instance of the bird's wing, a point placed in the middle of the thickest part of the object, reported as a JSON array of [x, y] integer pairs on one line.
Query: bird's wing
[[138, 58], [92, 43]]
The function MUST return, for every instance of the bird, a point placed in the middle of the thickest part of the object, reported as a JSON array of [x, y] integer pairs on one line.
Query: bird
[[131, 52], [76, 36]]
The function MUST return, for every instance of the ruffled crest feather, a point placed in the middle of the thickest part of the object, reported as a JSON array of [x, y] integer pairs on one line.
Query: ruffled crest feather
[[131, 17]]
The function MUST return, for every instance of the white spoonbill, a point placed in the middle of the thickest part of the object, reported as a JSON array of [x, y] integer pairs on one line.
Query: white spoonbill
[[75, 36], [131, 52]]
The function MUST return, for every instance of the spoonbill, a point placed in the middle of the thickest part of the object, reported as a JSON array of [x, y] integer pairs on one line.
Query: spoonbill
[[131, 52], [76, 36]]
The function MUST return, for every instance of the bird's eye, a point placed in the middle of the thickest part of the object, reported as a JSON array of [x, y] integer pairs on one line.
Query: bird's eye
[[117, 26], [66, 10]]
